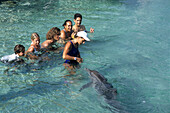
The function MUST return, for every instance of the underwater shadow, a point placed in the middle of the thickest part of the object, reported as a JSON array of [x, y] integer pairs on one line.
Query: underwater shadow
[[39, 88]]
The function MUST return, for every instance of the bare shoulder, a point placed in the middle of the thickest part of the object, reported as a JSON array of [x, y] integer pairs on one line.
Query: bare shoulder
[[45, 44], [62, 32], [30, 49], [62, 35], [73, 27], [67, 46]]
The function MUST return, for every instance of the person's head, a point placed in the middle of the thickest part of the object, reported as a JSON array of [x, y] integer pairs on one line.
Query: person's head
[[19, 49], [82, 37], [35, 38], [53, 34], [77, 19], [68, 25]]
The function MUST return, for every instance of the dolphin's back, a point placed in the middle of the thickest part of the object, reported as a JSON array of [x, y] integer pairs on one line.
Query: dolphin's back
[[100, 81], [98, 75]]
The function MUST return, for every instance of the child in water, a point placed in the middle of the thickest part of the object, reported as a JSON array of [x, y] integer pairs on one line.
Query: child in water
[[35, 46], [19, 50]]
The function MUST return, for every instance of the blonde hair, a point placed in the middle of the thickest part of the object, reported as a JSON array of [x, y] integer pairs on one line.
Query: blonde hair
[[34, 35]]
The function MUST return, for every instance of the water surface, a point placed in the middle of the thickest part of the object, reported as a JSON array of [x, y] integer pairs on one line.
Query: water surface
[[130, 47]]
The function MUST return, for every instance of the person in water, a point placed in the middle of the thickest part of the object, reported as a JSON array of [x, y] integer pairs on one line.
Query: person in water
[[52, 37], [71, 52], [67, 31], [35, 46], [19, 50], [78, 27]]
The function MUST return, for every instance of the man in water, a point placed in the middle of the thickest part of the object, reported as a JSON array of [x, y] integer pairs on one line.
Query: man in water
[[78, 27]]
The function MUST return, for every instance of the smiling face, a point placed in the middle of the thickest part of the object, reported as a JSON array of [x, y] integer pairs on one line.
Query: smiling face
[[35, 38], [68, 26], [36, 41], [78, 21]]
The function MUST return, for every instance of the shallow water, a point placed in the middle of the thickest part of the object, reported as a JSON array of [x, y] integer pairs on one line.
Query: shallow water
[[130, 47]]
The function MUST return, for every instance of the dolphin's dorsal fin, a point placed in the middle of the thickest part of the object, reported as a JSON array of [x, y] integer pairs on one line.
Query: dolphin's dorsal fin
[[85, 86]]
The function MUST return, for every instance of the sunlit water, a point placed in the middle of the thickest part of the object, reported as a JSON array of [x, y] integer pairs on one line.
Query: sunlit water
[[130, 47]]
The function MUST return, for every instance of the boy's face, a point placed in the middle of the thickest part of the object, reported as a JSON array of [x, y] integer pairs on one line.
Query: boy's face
[[22, 53], [77, 21]]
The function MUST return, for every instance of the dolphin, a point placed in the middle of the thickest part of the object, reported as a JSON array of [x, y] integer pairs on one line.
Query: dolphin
[[99, 82], [105, 89]]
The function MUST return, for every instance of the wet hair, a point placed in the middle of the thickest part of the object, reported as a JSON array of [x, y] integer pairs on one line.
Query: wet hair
[[52, 32], [34, 35], [77, 15], [66, 22], [19, 48]]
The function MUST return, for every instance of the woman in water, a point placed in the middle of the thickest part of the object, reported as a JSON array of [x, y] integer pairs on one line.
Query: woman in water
[[71, 52], [52, 37]]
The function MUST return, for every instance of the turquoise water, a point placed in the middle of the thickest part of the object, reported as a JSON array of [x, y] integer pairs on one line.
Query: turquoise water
[[130, 47]]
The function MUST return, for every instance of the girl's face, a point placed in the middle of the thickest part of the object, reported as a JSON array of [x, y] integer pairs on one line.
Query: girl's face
[[36, 41]]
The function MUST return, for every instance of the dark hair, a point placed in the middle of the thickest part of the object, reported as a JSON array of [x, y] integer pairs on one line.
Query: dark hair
[[34, 35], [77, 15], [19, 48], [52, 32], [66, 22]]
